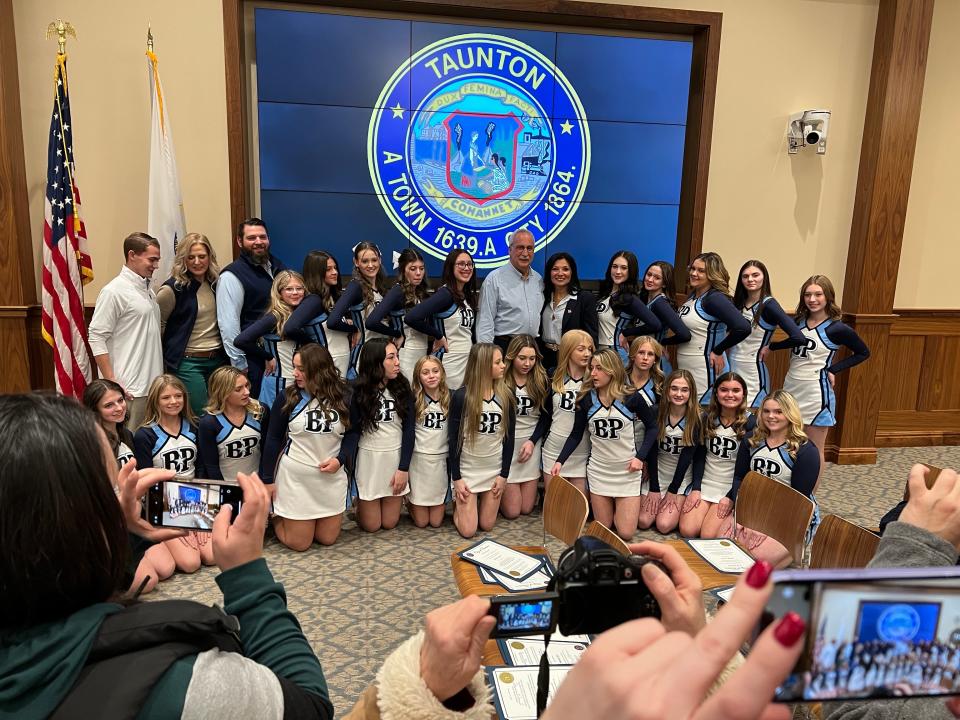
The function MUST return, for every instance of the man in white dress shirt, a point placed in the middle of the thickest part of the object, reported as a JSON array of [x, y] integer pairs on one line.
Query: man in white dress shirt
[[125, 330], [511, 297]]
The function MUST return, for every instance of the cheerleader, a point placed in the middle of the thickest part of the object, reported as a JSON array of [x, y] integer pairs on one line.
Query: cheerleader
[[657, 293], [365, 290], [754, 299], [573, 361], [387, 317], [277, 349], [304, 452], [168, 440], [619, 306], [780, 450], [310, 321], [429, 476], [678, 432], [106, 398], [607, 409], [481, 440], [448, 316], [812, 372], [643, 371], [230, 436], [528, 381], [382, 426], [709, 314], [727, 425]]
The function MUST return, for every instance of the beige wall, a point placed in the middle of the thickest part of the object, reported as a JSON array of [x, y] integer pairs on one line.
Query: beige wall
[[930, 244], [777, 57], [110, 103]]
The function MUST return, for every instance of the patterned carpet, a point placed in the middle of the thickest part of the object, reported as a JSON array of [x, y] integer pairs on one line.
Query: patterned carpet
[[361, 597]]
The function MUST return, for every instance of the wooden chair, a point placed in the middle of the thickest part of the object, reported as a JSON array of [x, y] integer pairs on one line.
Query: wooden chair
[[565, 511], [598, 530], [776, 510], [840, 543]]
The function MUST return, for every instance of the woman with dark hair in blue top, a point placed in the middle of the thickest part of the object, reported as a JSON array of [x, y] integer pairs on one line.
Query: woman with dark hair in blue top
[[619, 306], [387, 318]]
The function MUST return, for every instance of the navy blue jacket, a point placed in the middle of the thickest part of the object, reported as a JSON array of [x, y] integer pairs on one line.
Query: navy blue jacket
[[256, 283], [176, 333]]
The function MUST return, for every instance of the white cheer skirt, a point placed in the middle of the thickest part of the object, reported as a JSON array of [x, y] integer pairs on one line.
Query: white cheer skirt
[[429, 484], [305, 493]]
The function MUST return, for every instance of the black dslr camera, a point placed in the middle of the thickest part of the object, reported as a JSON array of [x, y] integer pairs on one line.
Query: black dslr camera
[[594, 589]]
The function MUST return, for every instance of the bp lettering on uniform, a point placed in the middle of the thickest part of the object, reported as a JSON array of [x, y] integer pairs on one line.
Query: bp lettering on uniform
[[241, 448]]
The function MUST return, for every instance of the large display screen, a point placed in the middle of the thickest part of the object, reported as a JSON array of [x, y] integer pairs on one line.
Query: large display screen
[[436, 135]]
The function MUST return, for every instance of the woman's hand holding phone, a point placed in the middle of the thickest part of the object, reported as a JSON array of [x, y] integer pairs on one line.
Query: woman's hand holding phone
[[242, 541], [132, 486]]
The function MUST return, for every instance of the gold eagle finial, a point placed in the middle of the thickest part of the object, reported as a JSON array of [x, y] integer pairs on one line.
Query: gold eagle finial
[[61, 29]]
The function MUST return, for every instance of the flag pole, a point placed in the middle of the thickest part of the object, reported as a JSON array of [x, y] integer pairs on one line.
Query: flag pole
[[62, 29]]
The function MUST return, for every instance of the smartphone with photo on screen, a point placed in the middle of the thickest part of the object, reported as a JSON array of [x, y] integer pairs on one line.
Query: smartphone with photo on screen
[[191, 504], [877, 633]]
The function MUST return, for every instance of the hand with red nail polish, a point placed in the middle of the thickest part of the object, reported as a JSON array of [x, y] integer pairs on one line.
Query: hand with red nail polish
[[640, 671]]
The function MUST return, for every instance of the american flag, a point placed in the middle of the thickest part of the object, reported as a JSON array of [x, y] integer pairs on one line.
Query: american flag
[[66, 262]]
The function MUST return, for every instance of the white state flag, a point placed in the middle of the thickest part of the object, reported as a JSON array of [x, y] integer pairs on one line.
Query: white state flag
[[165, 219]]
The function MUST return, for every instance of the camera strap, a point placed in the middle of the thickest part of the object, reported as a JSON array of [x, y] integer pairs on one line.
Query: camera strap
[[543, 678]]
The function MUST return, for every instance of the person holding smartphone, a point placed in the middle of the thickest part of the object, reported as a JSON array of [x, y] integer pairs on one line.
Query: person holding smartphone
[[927, 534]]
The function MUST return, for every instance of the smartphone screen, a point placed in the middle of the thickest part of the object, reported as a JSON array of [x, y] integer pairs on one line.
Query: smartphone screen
[[873, 638], [191, 504], [533, 616]]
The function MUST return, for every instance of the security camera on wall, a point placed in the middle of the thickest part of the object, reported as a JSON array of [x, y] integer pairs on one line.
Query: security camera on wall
[[808, 129]]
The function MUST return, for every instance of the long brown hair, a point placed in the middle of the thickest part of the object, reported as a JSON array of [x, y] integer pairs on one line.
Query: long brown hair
[[668, 289], [714, 410], [476, 380], [321, 379], [829, 295], [536, 387], [691, 413], [412, 294], [314, 277], [469, 295], [379, 283], [740, 293], [717, 274], [420, 394]]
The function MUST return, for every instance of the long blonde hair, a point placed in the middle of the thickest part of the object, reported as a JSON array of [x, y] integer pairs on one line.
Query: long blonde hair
[[537, 381], [656, 372], [791, 411], [714, 411], [609, 361], [221, 384], [179, 272], [570, 341], [476, 380], [278, 307], [420, 395], [161, 382], [717, 274], [829, 295], [691, 413]]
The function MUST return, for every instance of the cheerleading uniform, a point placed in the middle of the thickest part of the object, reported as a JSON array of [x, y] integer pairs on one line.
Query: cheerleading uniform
[[429, 479], [387, 319], [745, 356], [310, 322], [562, 408], [439, 316], [532, 423], [227, 449], [489, 456], [153, 447]]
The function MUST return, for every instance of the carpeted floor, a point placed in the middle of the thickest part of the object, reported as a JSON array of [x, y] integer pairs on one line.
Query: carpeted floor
[[360, 598]]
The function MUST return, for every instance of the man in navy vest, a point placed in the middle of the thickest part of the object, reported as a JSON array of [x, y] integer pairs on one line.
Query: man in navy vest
[[243, 293]]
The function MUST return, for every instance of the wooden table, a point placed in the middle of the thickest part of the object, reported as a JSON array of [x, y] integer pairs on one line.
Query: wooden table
[[469, 582]]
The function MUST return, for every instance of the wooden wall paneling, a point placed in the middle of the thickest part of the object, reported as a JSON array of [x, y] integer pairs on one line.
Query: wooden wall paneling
[[940, 386], [901, 372], [17, 284], [703, 27], [237, 150], [876, 233]]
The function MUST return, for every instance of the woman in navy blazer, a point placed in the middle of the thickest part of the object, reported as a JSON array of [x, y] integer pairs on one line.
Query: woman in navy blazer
[[565, 306]]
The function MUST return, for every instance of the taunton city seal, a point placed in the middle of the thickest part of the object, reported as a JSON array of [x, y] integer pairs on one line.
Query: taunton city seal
[[475, 137]]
